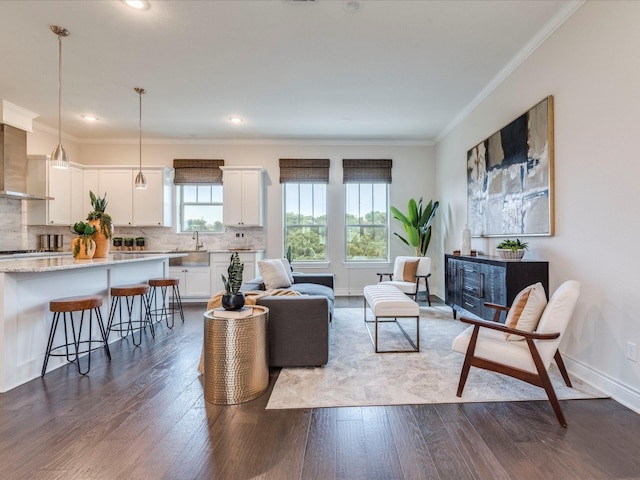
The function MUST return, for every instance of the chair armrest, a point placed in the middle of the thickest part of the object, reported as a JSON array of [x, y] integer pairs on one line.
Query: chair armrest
[[503, 328], [381, 275], [499, 309]]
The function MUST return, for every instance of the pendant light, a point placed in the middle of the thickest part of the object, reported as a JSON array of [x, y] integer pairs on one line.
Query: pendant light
[[141, 182], [59, 157]]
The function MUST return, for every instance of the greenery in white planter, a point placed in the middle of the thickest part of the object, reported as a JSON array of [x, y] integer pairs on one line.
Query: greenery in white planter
[[513, 245], [233, 281]]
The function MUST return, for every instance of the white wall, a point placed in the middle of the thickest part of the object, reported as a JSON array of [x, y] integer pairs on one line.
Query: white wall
[[413, 176], [590, 66]]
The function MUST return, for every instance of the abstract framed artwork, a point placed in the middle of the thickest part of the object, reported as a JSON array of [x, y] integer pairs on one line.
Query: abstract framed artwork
[[510, 177]]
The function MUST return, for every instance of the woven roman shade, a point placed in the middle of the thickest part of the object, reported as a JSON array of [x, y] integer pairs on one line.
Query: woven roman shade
[[304, 170], [366, 171], [187, 171]]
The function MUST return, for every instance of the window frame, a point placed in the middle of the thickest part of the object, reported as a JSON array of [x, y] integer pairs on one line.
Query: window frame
[[386, 226], [325, 226], [180, 205]]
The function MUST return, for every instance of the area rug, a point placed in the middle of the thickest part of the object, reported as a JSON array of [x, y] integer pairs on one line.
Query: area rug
[[357, 376]]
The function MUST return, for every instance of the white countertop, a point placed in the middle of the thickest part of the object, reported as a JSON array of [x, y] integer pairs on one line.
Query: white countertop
[[66, 262]]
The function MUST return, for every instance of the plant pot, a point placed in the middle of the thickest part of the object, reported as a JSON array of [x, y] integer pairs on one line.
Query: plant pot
[[233, 301], [102, 241], [510, 254], [83, 248]]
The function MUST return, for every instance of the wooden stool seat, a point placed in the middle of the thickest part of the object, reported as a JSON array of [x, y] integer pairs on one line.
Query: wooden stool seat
[[75, 344], [166, 307], [164, 282], [74, 304], [130, 290]]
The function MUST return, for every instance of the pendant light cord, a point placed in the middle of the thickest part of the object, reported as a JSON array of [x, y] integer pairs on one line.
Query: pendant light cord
[[59, 89]]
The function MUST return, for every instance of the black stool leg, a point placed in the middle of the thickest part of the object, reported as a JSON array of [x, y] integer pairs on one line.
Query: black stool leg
[[103, 333], [178, 301], [52, 334]]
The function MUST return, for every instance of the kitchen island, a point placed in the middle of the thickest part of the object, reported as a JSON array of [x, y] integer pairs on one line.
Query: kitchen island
[[27, 285]]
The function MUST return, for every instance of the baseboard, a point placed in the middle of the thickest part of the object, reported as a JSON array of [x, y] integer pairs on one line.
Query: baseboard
[[621, 393]]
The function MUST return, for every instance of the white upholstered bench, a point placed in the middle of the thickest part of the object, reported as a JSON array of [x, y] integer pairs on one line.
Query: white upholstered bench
[[387, 301]]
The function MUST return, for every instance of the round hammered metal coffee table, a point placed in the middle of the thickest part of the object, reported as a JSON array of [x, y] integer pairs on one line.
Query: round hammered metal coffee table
[[235, 357]]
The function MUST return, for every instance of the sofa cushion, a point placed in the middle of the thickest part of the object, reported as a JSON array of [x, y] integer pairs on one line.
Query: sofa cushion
[[273, 274], [315, 289]]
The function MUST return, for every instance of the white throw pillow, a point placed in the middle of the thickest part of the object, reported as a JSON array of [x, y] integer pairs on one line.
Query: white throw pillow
[[287, 268], [273, 274]]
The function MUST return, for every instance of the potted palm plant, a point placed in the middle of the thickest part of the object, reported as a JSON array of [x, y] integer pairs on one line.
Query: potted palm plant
[[103, 224], [417, 224], [83, 246], [233, 298]]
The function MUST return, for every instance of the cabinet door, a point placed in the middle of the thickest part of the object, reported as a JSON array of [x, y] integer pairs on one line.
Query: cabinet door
[[90, 184], [232, 197], [493, 286], [148, 203], [197, 282], [251, 198], [118, 185], [78, 200], [60, 189]]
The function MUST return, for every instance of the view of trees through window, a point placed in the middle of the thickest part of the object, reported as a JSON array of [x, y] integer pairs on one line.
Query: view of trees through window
[[200, 208], [366, 221], [305, 222]]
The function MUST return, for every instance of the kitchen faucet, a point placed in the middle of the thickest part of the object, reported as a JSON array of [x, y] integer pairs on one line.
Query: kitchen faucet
[[196, 237]]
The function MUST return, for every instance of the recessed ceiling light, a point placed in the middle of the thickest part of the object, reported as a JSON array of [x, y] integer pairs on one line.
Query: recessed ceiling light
[[351, 6], [137, 4], [236, 120], [90, 118]]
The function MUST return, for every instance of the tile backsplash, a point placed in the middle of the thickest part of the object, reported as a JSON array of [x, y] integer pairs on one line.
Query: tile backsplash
[[16, 235]]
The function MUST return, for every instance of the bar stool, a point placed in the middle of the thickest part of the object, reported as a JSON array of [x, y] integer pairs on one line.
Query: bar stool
[[130, 325], [176, 302], [72, 349]]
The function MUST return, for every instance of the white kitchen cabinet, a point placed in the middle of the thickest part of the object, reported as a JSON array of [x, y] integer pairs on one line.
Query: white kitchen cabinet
[[127, 205], [153, 205], [220, 264], [195, 282], [62, 185], [242, 190], [118, 185], [78, 200]]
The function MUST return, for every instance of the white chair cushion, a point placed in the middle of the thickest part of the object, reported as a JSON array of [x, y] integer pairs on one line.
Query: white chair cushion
[[492, 345], [556, 317], [273, 274], [424, 268]]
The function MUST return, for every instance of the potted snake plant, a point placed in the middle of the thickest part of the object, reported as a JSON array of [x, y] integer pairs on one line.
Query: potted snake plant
[[233, 298]]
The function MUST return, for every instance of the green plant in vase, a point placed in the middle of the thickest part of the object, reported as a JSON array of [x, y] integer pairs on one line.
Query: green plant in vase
[[103, 224], [233, 299], [512, 249], [83, 246], [417, 224]]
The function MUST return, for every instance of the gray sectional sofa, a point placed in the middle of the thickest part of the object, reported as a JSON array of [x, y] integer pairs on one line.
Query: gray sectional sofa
[[298, 328]]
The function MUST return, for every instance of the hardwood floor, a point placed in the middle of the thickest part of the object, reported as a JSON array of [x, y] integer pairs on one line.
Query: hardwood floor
[[143, 416]]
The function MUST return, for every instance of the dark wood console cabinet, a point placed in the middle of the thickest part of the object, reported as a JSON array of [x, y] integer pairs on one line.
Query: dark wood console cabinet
[[472, 281]]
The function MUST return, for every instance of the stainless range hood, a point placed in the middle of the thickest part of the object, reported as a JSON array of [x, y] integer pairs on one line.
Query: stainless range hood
[[13, 164]]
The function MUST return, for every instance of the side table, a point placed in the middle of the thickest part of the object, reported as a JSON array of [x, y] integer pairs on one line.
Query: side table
[[235, 357]]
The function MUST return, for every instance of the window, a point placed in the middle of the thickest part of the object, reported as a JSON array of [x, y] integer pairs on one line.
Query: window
[[366, 221], [305, 221], [304, 196], [199, 193], [366, 209], [200, 208]]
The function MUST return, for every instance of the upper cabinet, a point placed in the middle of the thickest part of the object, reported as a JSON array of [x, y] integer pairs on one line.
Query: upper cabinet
[[153, 205], [242, 189], [127, 205], [61, 186]]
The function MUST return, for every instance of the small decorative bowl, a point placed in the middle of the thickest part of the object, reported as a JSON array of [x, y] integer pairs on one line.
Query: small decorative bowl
[[510, 254]]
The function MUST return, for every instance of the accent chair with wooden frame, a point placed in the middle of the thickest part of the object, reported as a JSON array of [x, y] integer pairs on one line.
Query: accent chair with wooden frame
[[485, 345], [407, 274]]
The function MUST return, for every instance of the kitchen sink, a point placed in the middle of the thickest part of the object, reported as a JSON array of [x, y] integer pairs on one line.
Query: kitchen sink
[[193, 258]]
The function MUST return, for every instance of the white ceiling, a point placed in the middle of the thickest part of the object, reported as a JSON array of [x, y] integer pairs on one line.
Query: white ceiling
[[391, 70]]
